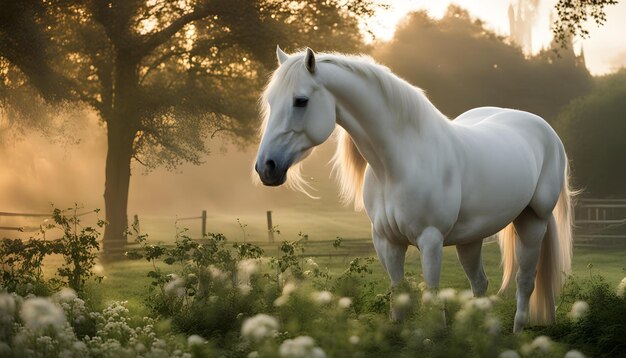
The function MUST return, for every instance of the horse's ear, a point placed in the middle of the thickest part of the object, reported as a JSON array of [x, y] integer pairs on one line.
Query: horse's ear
[[309, 60], [282, 56]]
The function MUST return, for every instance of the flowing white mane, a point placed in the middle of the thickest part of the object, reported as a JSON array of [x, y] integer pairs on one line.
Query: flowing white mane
[[348, 164]]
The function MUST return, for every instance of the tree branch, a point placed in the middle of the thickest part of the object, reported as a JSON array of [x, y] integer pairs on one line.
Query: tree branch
[[165, 34]]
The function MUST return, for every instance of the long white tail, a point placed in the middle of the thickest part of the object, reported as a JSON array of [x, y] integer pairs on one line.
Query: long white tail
[[555, 260]]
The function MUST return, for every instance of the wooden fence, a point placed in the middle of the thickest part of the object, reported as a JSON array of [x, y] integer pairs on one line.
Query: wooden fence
[[30, 215], [600, 222]]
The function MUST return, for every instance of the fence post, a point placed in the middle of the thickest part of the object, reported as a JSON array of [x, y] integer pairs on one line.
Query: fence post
[[203, 224], [270, 227]]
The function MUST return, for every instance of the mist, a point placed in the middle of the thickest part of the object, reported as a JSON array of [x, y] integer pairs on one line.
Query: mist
[[37, 172]]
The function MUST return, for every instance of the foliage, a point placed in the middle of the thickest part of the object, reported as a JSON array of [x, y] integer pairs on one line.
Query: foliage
[[21, 263], [592, 130], [573, 15], [212, 298], [600, 328], [49, 327], [491, 71]]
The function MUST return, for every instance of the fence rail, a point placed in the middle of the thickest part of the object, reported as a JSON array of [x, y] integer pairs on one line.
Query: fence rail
[[600, 222], [30, 215]]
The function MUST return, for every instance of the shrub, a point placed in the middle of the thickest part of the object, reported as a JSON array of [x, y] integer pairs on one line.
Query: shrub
[[21, 262]]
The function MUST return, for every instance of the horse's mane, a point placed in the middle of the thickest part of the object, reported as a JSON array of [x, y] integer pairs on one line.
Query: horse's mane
[[348, 163]]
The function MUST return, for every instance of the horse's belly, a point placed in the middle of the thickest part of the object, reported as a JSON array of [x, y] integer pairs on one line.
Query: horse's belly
[[489, 207], [477, 228]]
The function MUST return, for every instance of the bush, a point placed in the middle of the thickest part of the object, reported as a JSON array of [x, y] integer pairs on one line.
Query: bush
[[21, 263], [592, 317]]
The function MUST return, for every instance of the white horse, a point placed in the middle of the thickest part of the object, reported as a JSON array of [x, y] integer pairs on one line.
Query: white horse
[[425, 180]]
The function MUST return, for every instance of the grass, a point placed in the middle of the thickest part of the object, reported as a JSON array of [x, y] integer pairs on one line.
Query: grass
[[127, 280]]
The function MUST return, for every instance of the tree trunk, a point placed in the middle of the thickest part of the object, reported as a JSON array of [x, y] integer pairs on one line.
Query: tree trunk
[[117, 180], [121, 130]]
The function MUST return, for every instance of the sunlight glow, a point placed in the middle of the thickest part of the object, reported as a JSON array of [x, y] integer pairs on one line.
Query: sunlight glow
[[604, 51]]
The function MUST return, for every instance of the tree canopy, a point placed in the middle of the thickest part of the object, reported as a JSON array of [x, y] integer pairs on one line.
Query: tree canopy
[[592, 128], [162, 75], [461, 65]]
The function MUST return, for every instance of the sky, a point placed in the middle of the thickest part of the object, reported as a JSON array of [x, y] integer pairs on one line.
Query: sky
[[605, 51]]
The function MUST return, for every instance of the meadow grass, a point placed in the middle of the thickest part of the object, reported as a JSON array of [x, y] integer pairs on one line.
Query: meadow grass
[[126, 280]]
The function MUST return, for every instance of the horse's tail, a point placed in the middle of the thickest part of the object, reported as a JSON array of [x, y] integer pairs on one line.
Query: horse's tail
[[349, 167], [555, 260]]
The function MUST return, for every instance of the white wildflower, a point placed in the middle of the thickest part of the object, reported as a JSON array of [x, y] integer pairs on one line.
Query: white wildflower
[[281, 300], [259, 327], [403, 300], [253, 354], [509, 354], [322, 297], [579, 310], [245, 289], [494, 298], [345, 302], [175, 287], [310, 262], [422, 286], [300, 347], [621, 287], [574, 354], [541, 343], [195, 340], [354, 340], [427, 342], [465, 296], [40, 312], [7, 304], [307, 273], [427, 297], [98, 270], [217, 274], [66, 295], [447, 294], [246, 268], [140, 347], [289, 288], [482, 303]]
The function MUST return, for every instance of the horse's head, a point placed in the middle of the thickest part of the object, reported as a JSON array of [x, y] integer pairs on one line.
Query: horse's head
[[299, 115]]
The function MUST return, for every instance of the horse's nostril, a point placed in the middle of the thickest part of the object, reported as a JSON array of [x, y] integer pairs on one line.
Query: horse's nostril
[[256, 167], [270, 165]]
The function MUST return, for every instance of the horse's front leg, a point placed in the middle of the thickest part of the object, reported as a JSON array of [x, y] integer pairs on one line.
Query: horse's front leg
[[392, 256], [430, 244]]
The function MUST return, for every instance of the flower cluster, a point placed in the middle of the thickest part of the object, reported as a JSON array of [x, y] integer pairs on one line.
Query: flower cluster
[[44, 327]]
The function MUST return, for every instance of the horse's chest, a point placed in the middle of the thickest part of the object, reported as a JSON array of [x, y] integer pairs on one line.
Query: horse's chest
[[403, 211]]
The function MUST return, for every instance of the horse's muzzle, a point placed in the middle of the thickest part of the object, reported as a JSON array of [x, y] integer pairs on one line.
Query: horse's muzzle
[[270, 173]]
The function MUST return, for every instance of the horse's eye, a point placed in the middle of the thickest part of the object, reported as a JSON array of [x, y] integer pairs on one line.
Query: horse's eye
[[300, 101]]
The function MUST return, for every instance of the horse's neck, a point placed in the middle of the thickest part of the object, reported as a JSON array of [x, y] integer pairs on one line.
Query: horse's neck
[[382, 133]]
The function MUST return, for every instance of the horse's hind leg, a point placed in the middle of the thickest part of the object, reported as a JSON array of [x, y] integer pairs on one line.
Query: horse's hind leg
[[531, 230], [470, 256], [392, 256]]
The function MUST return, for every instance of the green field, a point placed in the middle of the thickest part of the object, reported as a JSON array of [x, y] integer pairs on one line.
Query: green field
[[127, 280]]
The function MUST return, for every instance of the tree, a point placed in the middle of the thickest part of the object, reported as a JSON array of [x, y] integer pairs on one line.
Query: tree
[[463, 65], [162, 75], [592, 128], [572, 15]]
